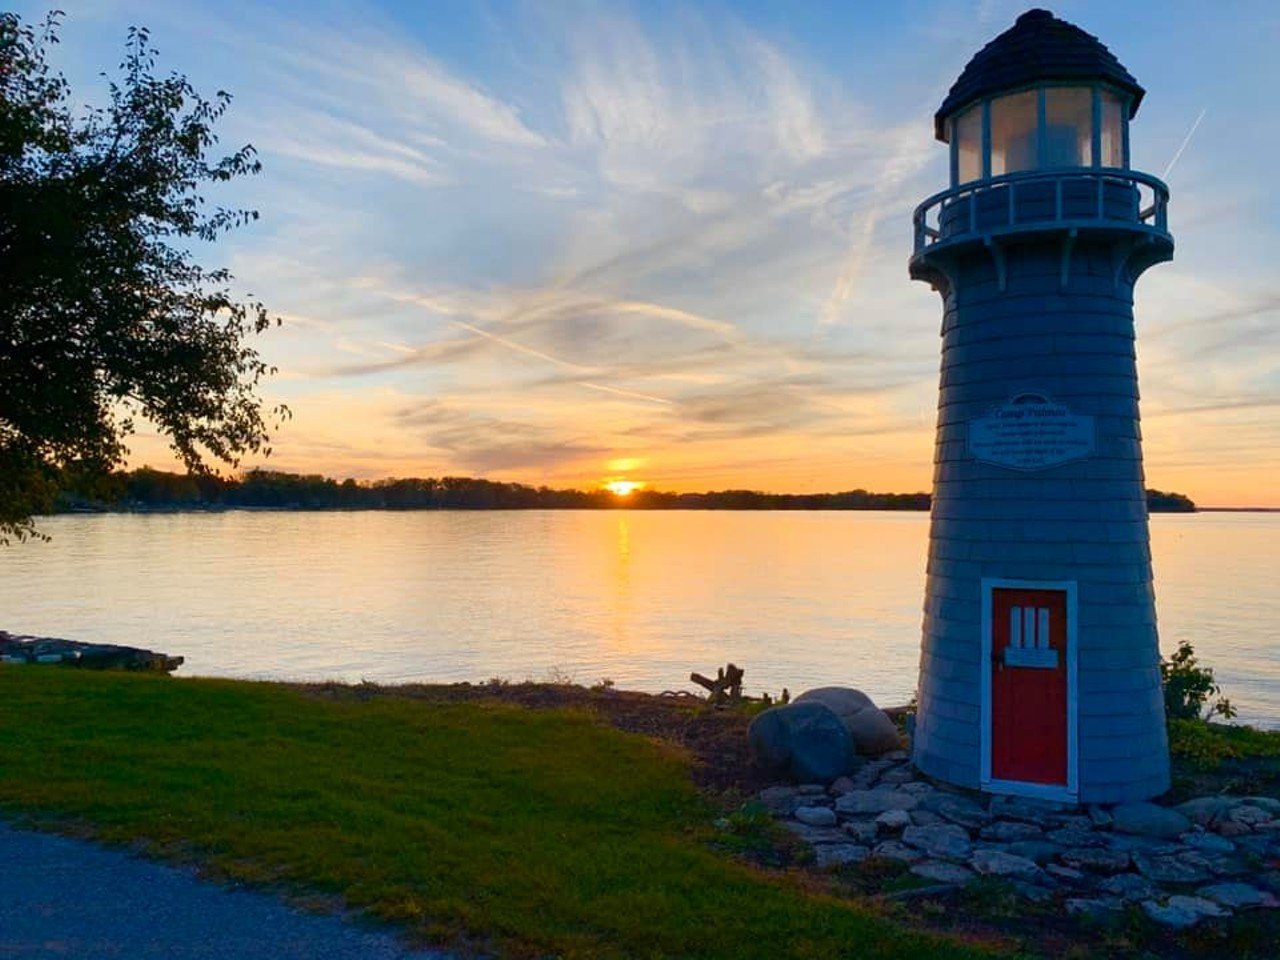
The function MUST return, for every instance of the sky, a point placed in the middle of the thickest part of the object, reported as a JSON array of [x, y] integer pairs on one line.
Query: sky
[[561, 243]]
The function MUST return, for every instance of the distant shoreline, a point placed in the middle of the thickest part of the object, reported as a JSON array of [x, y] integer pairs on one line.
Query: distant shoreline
[[622, 505], [1238, 509], [152, 491]]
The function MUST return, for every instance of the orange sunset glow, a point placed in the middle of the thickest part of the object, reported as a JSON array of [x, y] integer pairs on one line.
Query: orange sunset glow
[[623, 488]]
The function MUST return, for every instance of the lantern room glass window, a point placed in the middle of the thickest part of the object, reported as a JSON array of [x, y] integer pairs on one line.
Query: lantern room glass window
[[1014, 133], [1111, 143], [1054, 126], [967, 132], [1068, 127]]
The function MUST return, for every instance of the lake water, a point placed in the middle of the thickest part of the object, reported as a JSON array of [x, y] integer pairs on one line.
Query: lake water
[[640, 597]]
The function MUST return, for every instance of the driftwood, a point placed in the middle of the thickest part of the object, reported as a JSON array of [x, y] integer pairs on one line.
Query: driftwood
[[725, 688]]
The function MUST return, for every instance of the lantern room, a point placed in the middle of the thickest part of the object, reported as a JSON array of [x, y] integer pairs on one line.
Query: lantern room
[[1048, 127], [1010, 115]]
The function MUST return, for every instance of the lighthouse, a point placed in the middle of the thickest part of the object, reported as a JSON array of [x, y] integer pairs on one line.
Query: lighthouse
[[1039, 665]]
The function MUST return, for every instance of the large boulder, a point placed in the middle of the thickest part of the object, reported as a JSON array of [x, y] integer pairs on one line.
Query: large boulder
[[804, 741], [869, 727]]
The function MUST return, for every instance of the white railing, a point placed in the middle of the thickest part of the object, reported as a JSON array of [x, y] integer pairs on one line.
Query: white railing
[[1152, 211]]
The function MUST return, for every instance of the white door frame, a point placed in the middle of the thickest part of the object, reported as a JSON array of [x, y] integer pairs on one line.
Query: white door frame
[[1069, 793]]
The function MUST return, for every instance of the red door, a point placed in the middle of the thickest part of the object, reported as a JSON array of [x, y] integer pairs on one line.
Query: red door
[[1029, 686]]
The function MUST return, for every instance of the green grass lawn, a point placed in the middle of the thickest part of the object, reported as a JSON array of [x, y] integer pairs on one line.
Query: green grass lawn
[[532, 832]]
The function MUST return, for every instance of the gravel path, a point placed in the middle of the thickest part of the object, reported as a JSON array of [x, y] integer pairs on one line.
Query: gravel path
[[74, 900]]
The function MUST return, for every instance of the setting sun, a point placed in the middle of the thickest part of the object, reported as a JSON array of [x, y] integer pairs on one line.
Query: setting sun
[[622, 488]]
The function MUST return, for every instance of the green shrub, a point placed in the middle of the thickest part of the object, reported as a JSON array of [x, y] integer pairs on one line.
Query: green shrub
[[1188, 688]]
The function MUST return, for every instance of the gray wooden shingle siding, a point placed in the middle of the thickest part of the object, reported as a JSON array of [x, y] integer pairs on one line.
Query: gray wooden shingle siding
[[1083, 521]]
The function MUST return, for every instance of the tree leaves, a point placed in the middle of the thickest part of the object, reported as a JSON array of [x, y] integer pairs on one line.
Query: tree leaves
[[105, 314]]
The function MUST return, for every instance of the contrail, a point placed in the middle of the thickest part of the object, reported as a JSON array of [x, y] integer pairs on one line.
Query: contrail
[[1185, 141]]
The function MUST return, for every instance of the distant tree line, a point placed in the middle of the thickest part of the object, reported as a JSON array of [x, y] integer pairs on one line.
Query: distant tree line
[[147, 489]]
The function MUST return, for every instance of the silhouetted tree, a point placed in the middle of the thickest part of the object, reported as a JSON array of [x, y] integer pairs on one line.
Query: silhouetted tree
[[105, 315]]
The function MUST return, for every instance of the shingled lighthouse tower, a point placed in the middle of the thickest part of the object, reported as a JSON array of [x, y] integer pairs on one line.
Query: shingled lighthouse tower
[[1039, 667]]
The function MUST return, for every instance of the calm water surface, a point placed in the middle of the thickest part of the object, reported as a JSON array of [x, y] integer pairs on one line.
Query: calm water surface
[[798, 599]]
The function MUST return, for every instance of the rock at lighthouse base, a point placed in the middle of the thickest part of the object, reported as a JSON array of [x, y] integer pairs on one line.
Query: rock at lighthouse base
[[870, 728], [804, 741]]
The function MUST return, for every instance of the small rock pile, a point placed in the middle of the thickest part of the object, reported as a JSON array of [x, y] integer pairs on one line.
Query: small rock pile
[[1208, 857]]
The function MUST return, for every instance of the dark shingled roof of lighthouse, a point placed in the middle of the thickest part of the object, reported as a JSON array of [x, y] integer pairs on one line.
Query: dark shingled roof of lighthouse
[[1037, 47]]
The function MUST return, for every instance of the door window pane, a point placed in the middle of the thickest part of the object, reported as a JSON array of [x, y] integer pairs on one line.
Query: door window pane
[[1112, 130], [967, 133], [1013, 133], [1068, 135]]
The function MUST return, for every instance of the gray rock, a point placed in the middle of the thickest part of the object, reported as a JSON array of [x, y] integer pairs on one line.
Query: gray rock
[[1033, 892], [1025, 808], [941, 872], [899, 776], [1041, 851], [1104, 910], [1099, 816], [924, 818], [895, 820], [816, 816], [869, 727], [1188, 867], [780, 800], [1248, 813], [1074, 837], [1258, 845], [1270, 804], [958, 810], [1269, 880], [1149, 820], [1129, 886], [1071, 821], [1175, 911], [864, 831], [998, 864], [805, 741], [1170, 915], [814, 835], [769, 737], [1070, 874], [1132, 843], [866, 775], [875, 801], [841, 785], [1231, 828], [1203, 810], [1095, 859], [918, 787], [1238, 896], [1208, 842], [839, 854], [945, 840], [1206, 908], [1007, 831], [1266, 846], [1226, 865], [811, 790], [897, 850]]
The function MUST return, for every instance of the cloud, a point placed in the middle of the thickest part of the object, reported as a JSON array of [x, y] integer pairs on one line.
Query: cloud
[[484, 443]]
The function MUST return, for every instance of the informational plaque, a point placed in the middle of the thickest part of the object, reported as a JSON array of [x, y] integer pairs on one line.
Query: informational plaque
[[1031, 432]]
